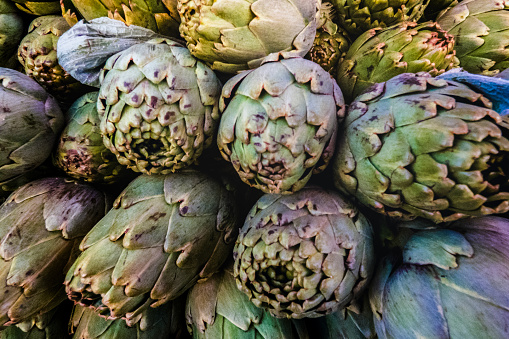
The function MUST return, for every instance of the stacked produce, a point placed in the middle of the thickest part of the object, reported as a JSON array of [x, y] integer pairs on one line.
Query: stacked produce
[[254, 168]]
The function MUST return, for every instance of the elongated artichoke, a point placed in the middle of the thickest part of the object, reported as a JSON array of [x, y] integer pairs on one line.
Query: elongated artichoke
[[380, 54], [419, 146], [30, 122], [11, 33], [307, 254], [158, 106], [446, 284], [41, 226], [217, 309], [279, 122], [232, 36], [163, 234], [38, 7], [481, 31]]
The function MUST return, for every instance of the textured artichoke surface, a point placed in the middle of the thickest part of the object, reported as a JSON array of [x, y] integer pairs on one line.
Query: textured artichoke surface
[[380, 54], [279, 123], [38, 7], [304, 255], [80, 151], [158, 106], [163, 234], [11, 33], [420, 146], [41, 226], [481, 31], [236, 35], [446, 283], [30, 121]]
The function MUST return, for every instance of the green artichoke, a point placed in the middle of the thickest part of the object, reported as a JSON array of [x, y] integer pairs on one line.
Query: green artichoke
[[30, 121], [421, 146], [380, 54], [232, 36], [358, 16], [80, 152], [38, 7], [279, 123], [481, 31], [41, 226], [163, 234], [307, 254], [446, 284], [11, 33], [158, 106]]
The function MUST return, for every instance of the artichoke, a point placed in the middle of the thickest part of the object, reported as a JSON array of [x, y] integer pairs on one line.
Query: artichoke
[[358, 16], [421, 146], [41, 226], [163, 234], [481, 31], [447, 283], [307, 254], [30, 121], [11, 32], [38, 7], [158, 106], [279, 122], [380, 54], [232, 36], [80, 152]]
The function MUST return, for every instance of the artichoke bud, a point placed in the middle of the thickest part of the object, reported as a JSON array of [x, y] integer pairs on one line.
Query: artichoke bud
[[307, 254], [11, 33], [41, 226], [163, 234]]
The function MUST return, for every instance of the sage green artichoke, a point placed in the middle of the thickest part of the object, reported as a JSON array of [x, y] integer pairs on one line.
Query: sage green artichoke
[[158, 106], [358, 16], [41, 226], [446, 284], [38, 7], [422, 146], [80, 151], [11, 33], [279, 123], [30, 122], [232, 36], [307, 254], [481, 31], [163, 234], [380, 54]]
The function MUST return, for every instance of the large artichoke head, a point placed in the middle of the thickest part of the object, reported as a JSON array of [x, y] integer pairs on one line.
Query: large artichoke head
[[163, 234], [304, 255], [158, 106], [236, 35], [11, 33], [380, 54], [41, 226], [279, 123], [422, 146], [481, 31], [446, 283], [30, 121]]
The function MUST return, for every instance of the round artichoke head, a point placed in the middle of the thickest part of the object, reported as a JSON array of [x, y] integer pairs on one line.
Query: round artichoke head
[[30, 121], [446, 283], [158, 106], [11, 33], [279, 122], [421, 146], [303, 255], [236, 35], [41, 226], [163, 234]]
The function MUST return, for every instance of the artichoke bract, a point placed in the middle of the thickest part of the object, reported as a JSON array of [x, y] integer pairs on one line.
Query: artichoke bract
[[11, 33], [30, 122], [417, 146], [38, 7], [217, 309], [481, 31], [158, 106], [163, 234], [232, 36], [80, 151], [279, 123], [41, 226], [380, 54], [446, 283], [307, 254]]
